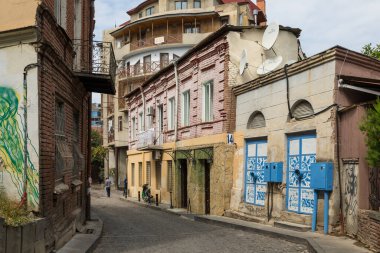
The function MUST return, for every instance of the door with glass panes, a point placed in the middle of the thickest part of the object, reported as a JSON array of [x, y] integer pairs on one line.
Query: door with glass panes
[[301, 154], [256, 158]]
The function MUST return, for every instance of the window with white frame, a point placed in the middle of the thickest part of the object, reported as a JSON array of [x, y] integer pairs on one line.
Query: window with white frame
[[207, 101], [186, 108], [133, 130], [149, 11], [60, 7], [141, 122], [197, 3], [171, 111], [179, 5]]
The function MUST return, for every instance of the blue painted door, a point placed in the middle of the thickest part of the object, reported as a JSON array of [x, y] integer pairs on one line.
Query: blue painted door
[[301, 154], [256, 158]]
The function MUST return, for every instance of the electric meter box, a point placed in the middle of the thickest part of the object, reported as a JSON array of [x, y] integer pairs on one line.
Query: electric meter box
[[276, 172], [267, 172], [273, 172], [321, 177]]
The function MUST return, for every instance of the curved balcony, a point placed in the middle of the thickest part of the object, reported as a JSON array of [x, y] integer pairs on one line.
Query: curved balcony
[[142, 69], [158, 40]]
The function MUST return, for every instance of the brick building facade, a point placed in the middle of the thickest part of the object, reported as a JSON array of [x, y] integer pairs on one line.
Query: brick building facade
[[55, 43], [179, 121]]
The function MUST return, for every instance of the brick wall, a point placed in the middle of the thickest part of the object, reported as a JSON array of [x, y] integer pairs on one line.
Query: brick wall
[[207, 64], [57, 82], [369, 229]]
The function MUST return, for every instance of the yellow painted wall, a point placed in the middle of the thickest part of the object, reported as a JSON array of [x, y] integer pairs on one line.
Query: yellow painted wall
[[16, 14]]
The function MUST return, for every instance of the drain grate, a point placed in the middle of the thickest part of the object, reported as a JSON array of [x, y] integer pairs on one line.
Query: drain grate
[[89, 231]]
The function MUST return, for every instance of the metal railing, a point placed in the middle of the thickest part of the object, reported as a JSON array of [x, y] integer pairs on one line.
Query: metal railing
[[142, 69], [101, 62], [157, 40]]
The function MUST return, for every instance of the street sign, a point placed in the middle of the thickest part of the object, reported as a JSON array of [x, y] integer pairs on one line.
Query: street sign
[[230, 139]]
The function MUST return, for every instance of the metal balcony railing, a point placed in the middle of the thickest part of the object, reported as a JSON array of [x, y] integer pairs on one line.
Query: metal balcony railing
[[101, 62], [142, 69], [157, 40]]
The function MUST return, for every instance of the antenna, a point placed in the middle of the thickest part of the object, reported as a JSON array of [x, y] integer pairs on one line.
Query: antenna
[[270, 36], [243, 62], [269, 65]]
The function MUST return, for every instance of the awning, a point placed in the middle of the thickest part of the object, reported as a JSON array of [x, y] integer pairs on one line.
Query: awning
[[366, 85]]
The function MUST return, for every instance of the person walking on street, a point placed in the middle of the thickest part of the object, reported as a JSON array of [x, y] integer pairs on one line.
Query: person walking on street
[[108, 186], [125, 187]]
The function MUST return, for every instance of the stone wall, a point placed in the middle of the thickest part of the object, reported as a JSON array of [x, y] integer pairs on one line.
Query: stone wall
[[369, 229]]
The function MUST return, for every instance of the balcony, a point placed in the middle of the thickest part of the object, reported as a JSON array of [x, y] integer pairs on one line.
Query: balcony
[[96, 70], [149, 139], [157, 40], [143, 69]]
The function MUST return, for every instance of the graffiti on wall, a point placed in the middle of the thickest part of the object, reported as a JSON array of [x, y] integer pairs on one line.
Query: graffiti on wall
[[12, 147], [350, 196]]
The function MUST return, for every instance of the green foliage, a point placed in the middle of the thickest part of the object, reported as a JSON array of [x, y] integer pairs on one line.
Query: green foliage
[[98, 153], [12, 213], [372, 51], [96, 139], [371, 127]]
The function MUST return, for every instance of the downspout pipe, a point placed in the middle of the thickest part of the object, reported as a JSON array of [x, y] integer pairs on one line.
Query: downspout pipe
[[24, 199], [176, 100], [143, 99]]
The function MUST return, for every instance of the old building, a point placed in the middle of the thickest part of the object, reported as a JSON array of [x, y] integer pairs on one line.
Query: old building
[[96, 117], [308, 112], [159, 32], [180, 119], [47, 73]]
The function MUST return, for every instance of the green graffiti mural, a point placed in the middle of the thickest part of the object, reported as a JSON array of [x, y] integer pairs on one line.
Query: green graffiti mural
[[12, 147]]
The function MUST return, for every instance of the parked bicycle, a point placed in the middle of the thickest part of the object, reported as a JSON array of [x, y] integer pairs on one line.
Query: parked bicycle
[[146, 196]]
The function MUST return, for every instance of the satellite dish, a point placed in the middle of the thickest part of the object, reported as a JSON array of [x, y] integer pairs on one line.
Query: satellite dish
[[270, 35], [243, 62], [269, 65]]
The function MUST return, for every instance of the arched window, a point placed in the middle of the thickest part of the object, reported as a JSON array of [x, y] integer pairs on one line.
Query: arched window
[[302, 109], [256, 120]]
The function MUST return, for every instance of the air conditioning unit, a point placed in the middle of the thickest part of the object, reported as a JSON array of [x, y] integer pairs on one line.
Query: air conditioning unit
[[150, 111]]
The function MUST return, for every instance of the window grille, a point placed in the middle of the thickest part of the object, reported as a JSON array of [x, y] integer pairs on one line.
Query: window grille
[[170, 176], [133, 174], [78, 160], [148, 173], [140, 174], [256, 120], [64, 157]]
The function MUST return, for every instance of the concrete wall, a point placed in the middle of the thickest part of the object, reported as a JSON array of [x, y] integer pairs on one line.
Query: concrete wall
[[316, 85], [286, 46], [13, 61]]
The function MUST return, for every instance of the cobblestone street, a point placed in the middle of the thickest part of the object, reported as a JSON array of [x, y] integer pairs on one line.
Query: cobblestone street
[[132, 228]]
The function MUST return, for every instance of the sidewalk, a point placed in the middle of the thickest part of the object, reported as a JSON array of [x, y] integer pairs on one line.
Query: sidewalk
[[316, 242], [84, 242]]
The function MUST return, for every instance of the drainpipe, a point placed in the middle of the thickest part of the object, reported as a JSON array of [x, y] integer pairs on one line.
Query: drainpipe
[[143, 99], [176, 101], [341, 215], [24, 199]]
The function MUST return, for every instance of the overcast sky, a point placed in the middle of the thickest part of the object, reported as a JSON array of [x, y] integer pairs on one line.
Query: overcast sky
[[324, 23]]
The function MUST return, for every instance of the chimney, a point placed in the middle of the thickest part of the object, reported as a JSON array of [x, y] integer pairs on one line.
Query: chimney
[[261, 5]]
